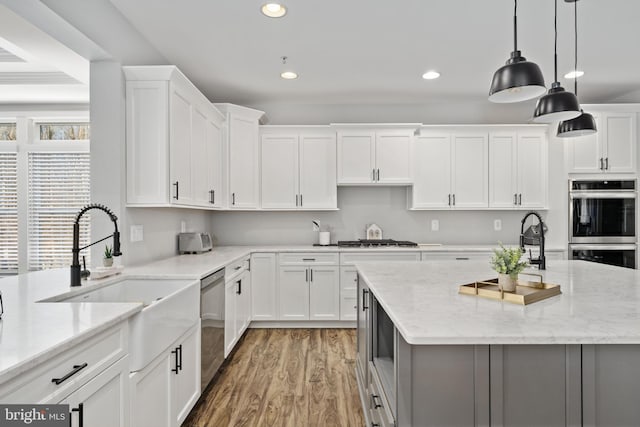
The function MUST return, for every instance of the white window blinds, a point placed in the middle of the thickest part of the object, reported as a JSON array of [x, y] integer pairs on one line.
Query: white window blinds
[[8, 213], [58, 188]]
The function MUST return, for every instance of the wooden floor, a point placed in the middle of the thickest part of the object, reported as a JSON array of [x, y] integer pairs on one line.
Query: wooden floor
[[285, 377]]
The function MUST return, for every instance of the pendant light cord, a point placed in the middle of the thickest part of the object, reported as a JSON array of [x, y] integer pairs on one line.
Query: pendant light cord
[[575, 46], [515, 25], [555, 43]]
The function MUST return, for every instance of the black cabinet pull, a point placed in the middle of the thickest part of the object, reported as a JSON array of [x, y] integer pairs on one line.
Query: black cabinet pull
[[601, 164], [175, 351], [212, 196], [239, 291], [364, 299], [376, 405], [449, 199], [308, 259], [453, 197], [233, 198], [180, 357], [311, 275], [462, 258], [378, 176], [520, 199], [306, 275], [515, 199], [301, 200], [75, 370], [80, 411], [177, 185], [373, 172], [606, 163]]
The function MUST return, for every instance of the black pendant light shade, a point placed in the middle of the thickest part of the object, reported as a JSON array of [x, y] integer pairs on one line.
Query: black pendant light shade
[[584, 124], [556, 105], [517, 80]]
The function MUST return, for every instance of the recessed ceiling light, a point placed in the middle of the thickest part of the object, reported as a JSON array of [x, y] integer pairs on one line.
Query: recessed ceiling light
[[430, 75], [274, 10], [574, 74], [289, 75]]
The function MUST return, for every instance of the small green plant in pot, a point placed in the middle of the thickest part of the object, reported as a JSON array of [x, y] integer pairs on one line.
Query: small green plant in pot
[[107, 261], [508, 263]]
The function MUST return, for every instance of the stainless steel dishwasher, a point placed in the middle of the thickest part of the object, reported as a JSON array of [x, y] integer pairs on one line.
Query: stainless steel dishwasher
[[212, 329]]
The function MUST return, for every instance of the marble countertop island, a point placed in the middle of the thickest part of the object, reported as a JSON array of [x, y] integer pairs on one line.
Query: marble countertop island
[[599, 304]]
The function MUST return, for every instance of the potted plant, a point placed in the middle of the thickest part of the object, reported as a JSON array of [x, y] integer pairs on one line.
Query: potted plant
[[507, 262], [107, 261]]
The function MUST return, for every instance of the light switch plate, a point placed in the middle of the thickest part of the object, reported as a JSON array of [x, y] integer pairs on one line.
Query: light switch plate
[[137, 233], [435, 225], [497, 224]]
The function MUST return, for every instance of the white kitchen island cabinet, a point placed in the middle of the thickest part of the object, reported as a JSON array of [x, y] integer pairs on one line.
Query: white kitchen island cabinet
[[429, 356], [173, 140], [372, 155], [298, 169], [611, 150]]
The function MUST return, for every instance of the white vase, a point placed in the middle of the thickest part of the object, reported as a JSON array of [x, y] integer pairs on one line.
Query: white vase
[[107, 262], [507, 282]]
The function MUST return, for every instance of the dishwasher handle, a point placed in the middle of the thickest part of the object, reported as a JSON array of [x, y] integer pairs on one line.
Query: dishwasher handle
[[212, 279]]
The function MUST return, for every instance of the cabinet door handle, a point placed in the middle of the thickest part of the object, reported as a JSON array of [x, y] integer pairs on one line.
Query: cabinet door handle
[[374, 424], [177, 185], [308, 259], [233, 198], [520, 199], [306, 275], [80, 411], [364, 299], [515, 198], [462, 258], [376, 405], [373, 173], [175, 351], [453, 197], [75, 370], [606, 163], [601, 164], [239, 291], [378, 176], [213, 195], [180, 357], [301, 201], [296, 200], [311, 275], [449, 199]]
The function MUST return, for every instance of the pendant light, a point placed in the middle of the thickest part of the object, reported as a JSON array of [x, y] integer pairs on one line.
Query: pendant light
[[557, 104], [584, 124], [519, 79]]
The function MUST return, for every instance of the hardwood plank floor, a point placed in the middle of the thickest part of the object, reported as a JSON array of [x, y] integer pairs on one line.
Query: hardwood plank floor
[[285, 377]]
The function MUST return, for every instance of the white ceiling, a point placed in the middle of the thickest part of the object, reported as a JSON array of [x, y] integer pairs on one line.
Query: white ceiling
[[373, 51]]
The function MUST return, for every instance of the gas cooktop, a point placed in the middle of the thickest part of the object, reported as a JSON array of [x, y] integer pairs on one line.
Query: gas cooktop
[[364, 243]]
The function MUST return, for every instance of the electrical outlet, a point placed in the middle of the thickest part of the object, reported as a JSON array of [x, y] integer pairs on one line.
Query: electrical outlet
[[136, 233], [497, 224], [435, 225]]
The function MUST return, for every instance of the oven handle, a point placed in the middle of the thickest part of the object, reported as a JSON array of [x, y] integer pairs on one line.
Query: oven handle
[[624, 194], [602, 247]]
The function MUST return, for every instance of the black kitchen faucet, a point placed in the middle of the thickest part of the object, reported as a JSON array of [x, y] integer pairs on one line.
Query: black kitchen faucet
[[541, 261], [75, 264]]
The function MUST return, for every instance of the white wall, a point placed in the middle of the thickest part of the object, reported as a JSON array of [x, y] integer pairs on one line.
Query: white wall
[[108, 171]]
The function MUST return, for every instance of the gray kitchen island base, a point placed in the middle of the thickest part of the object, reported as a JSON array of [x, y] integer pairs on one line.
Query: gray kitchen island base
[[508, 385]]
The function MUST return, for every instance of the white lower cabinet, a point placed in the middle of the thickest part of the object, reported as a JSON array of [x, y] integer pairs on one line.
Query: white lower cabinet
[[237, 308], [103, 401], [163, 393], [348, 289], [309, 287], [264, 281]]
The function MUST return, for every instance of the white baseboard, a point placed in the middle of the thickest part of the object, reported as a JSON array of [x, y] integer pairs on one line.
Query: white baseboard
[[302, 324]]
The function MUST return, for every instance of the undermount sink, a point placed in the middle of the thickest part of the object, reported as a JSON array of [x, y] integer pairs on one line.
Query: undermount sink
[[171, 307]]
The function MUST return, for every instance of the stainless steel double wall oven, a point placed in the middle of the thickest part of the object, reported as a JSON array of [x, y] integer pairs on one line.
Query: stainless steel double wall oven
[[602, 221]]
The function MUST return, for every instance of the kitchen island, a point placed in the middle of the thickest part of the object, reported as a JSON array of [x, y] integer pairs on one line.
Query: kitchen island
[[429, 356]]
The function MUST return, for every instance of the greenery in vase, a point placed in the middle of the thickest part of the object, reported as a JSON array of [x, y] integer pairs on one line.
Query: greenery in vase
[[108, 252], [508, 260]]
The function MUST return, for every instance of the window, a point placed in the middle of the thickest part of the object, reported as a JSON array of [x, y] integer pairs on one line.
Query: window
[[64, 131], [58, 188], [8, 213], [7, 131]]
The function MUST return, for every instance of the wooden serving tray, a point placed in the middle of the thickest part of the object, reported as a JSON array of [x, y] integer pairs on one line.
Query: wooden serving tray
[[526, 292]]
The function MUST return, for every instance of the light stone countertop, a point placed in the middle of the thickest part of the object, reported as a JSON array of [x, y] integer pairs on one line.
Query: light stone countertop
[[32, 331], [599, 304]]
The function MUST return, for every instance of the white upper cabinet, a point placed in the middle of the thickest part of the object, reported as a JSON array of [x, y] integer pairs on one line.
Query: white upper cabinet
[[518, 169], [298, 169], [611, 150], [432, 171], [375, 156], [450, 170], [243, 145], [168, 146], [215, 167]]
